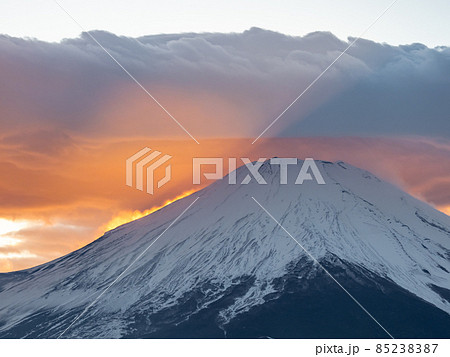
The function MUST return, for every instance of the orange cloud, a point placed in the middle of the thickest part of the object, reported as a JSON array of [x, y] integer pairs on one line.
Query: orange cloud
[[445, 209], [71, 197], [69, 120], [128, 216]]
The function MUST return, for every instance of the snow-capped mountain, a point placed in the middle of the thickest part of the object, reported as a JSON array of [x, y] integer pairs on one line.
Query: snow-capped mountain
[[226, 269]]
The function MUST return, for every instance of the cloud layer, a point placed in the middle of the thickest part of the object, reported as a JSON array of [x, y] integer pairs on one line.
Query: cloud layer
[[224, 85], [69, 118]]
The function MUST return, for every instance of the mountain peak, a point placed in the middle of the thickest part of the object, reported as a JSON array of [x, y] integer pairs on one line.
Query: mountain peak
[[226, 244]]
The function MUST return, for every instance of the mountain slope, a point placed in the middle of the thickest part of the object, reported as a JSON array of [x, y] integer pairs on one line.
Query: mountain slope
[[226, 269]]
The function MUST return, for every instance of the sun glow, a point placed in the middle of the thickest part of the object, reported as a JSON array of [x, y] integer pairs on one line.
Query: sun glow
[[128, 216], [20, 255], [8, 226], [445, 209], [6, 241]]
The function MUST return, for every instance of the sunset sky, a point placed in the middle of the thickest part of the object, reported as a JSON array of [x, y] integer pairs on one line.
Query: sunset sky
[[70, 116]]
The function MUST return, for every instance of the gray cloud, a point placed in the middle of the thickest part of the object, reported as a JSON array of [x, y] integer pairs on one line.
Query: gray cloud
[[234, 83]]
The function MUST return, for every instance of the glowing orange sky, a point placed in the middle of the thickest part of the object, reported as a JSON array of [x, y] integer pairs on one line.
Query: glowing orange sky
[[128, 216], [71, 198], [69, 118]]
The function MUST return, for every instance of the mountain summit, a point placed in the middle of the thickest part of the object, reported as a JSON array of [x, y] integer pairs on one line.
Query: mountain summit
[[225, 268]]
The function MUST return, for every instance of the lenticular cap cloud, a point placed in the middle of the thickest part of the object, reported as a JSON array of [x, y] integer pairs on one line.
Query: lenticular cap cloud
[[237, 83]]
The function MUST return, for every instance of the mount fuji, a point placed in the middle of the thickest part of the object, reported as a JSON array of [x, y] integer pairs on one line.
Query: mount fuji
[[226, 269]]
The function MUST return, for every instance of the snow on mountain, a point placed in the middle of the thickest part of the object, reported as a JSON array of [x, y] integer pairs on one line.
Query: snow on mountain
[[226, 236]]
